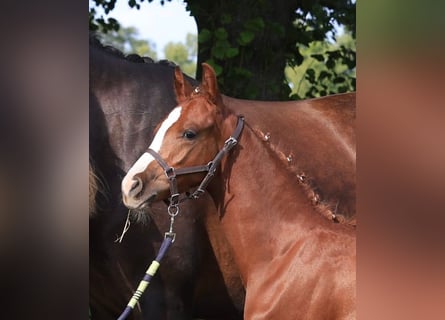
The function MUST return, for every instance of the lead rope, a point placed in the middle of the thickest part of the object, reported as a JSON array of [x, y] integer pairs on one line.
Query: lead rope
[[169, 238]]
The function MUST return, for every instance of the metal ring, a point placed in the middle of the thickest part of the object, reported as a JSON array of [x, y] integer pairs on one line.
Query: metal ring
[[171, 212]]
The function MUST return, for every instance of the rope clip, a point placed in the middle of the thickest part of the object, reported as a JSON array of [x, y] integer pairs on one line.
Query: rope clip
[[171, 235]]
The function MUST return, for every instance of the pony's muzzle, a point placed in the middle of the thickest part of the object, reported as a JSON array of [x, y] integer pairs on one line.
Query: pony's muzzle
[[131, 191], [136, 186], [136, 193]]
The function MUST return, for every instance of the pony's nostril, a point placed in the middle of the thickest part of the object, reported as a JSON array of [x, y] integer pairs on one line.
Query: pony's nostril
[[136, 187]]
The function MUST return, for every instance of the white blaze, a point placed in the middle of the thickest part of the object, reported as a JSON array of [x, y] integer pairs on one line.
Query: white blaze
[[142, 163]]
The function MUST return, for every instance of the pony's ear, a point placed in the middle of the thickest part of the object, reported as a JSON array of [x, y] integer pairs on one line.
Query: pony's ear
[[183, 88], [209, 83]]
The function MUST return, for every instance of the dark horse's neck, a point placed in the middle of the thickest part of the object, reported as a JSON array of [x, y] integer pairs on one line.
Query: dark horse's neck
[[265, 211], [133, 97]]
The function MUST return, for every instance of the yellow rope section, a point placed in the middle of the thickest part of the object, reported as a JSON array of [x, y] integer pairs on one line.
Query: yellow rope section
[[143, 284]]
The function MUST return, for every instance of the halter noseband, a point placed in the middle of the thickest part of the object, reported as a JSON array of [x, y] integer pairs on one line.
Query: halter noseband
[[210, 168]]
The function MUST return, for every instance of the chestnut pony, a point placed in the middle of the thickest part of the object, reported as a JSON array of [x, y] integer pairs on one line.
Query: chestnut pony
[[294, 260]]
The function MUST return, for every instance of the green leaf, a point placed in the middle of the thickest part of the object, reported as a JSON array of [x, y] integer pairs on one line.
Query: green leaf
[[218, 52], [232, 52], [220, 48], [245, 37], [221, 34], [204, 36]]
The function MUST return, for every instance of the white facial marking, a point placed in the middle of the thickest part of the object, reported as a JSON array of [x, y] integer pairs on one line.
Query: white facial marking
[[159, 137], [144, 161]]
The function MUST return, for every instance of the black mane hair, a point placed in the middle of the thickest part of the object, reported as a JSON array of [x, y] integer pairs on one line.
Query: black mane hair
[[94, 41]]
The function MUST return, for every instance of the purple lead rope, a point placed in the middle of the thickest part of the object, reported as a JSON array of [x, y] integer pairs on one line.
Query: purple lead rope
[[168, 240]]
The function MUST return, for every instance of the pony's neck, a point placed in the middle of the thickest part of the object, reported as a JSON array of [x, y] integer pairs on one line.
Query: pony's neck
[[264, 210]]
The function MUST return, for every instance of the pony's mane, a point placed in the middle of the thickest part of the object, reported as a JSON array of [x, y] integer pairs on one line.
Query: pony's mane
[[325, 208], [95, 42]]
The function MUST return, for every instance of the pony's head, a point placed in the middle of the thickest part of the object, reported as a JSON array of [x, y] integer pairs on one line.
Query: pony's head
[[191, 135]]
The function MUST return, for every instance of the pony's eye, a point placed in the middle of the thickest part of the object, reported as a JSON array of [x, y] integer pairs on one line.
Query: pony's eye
[[189, 134]]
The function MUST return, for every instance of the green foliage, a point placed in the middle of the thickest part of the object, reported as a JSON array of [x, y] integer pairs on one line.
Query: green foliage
[[249, 46], [327, 68], [102, 23], [191, 43], [183, 54], [224, 51], [127, 40], [105, 25], [218, 43], [246, 37]]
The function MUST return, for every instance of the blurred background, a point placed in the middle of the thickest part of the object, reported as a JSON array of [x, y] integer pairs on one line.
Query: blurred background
[[260, 50]]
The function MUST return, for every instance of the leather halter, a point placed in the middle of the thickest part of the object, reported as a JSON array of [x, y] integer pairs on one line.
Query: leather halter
[[210, 168]]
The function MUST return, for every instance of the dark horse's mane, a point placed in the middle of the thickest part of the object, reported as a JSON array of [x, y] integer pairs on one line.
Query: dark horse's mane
[[132, 57]]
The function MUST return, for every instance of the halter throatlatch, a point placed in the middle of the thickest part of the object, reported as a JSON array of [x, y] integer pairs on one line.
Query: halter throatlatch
[[210, 168]]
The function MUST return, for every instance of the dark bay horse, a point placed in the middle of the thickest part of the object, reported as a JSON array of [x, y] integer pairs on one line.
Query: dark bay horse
[[294, 260], [128, 96]]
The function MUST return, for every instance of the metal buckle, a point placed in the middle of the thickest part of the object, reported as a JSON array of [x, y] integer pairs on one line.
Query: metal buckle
[[198, 192], [230, 143], [174, 199], [211, 168], [170, 173]]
